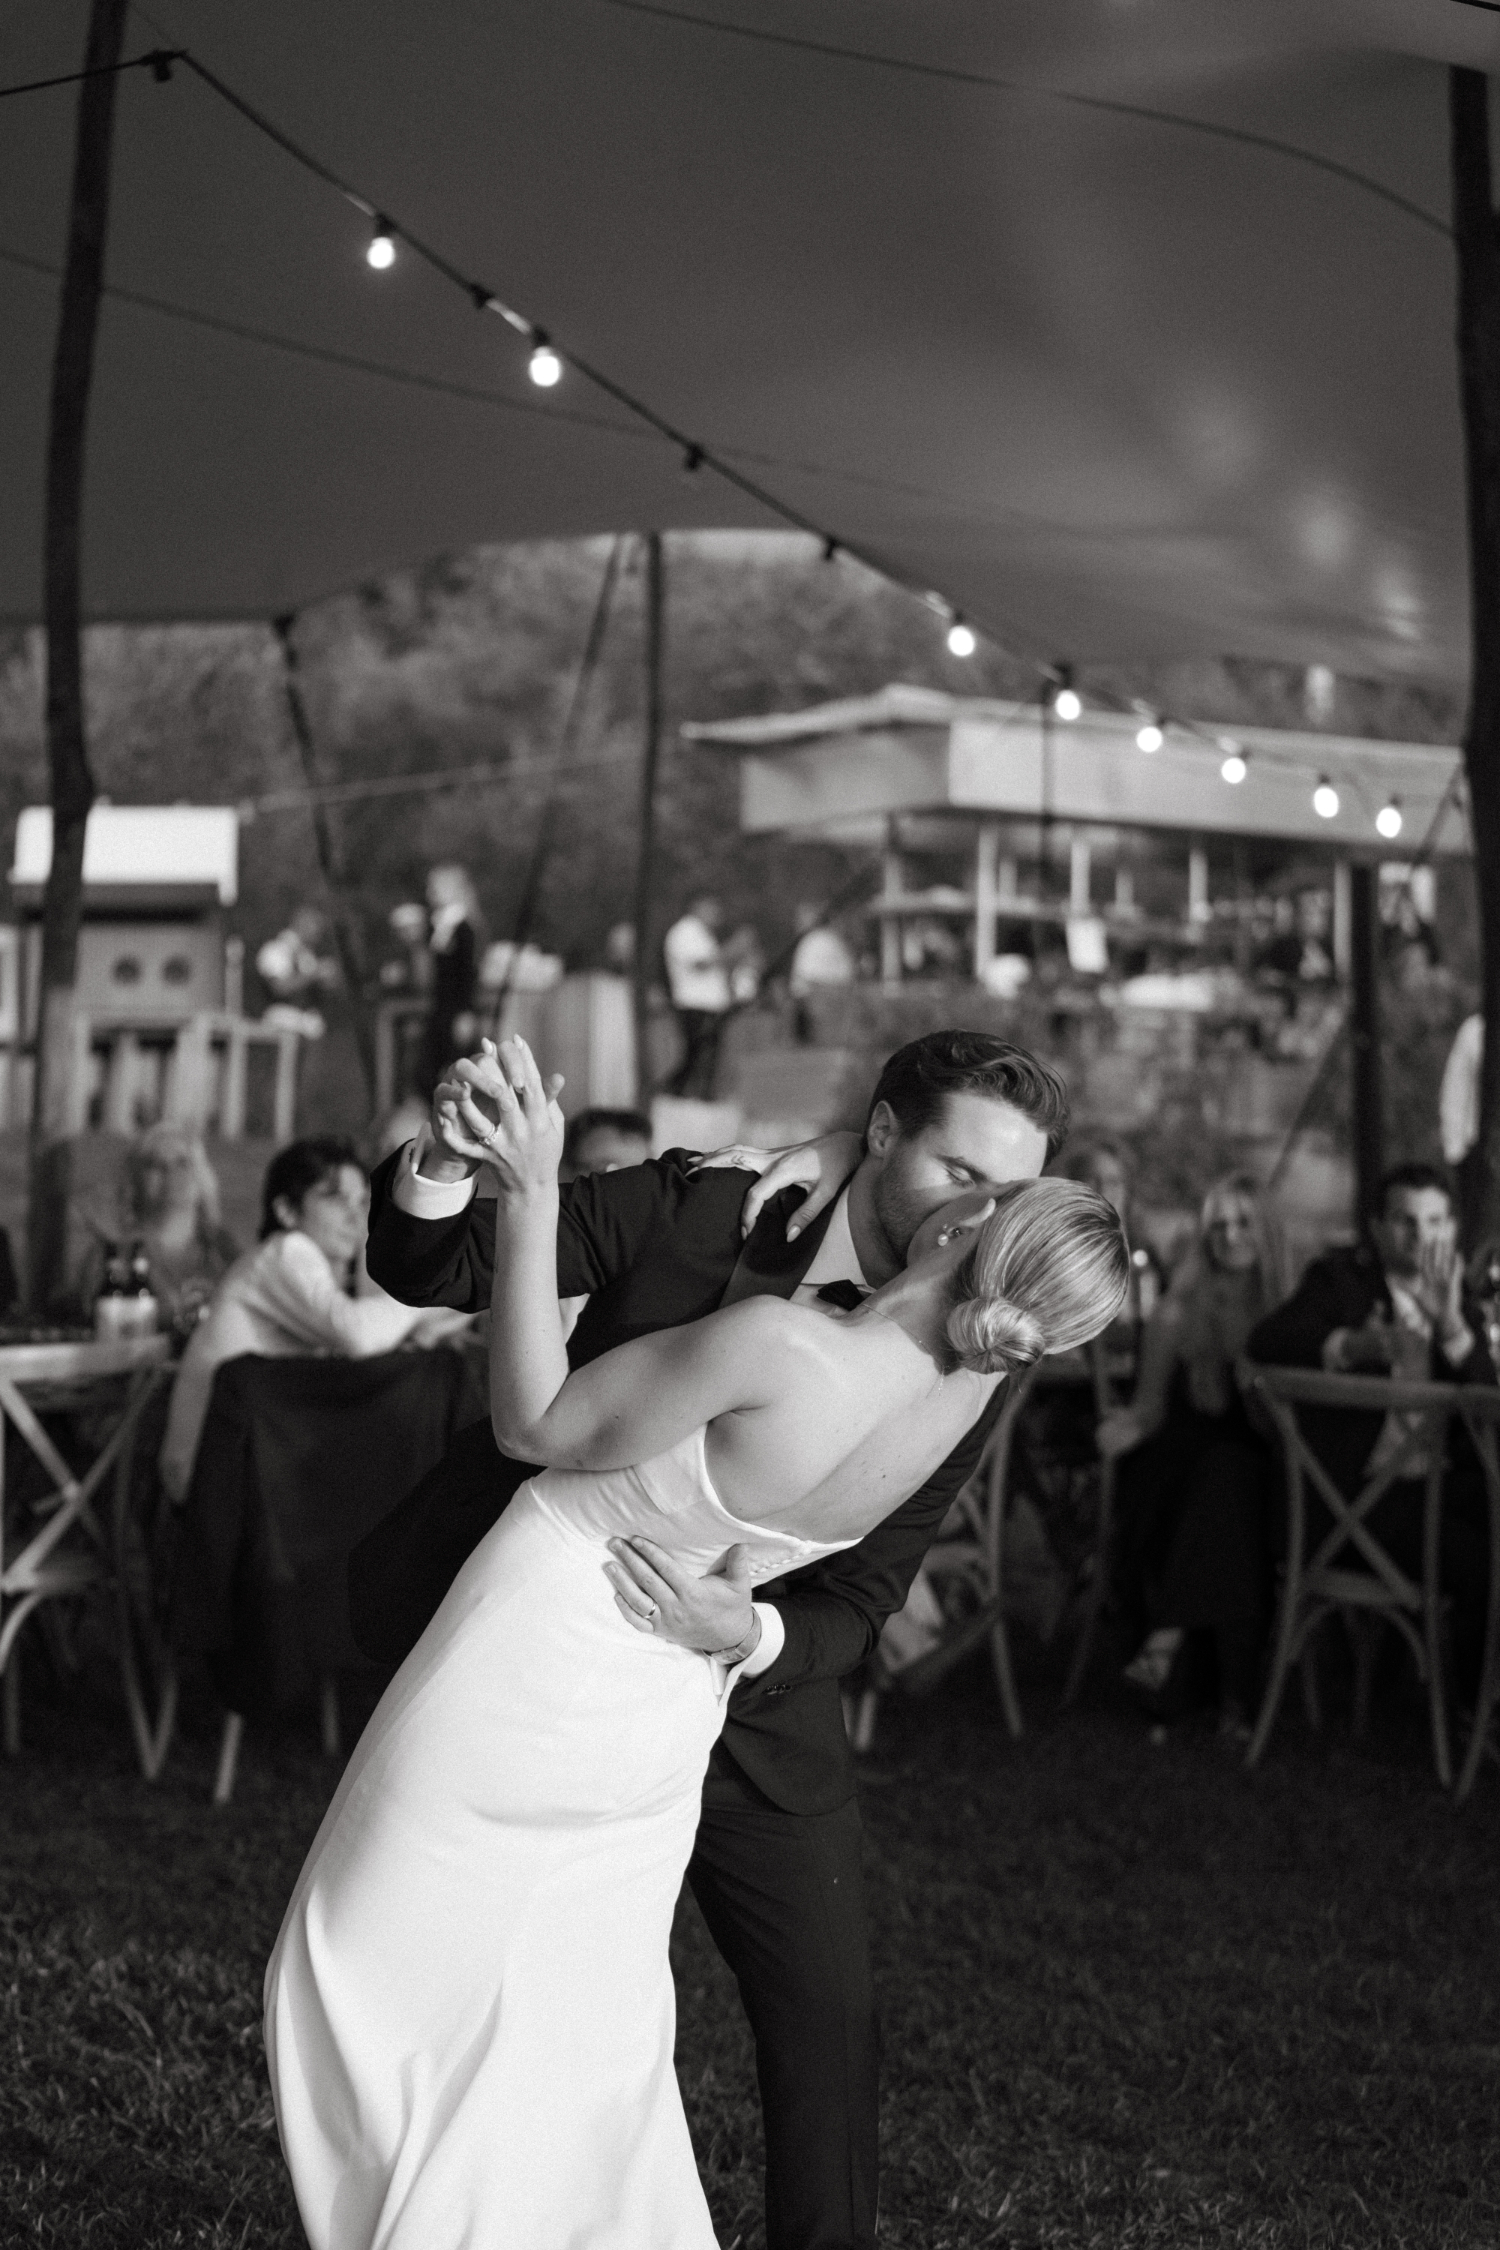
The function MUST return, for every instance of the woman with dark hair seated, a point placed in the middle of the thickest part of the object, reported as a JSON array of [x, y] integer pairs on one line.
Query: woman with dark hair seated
[[289, 1297], [1195, 1483]]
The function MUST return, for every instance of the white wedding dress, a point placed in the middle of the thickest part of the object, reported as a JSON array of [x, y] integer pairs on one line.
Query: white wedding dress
[[469, 2010]]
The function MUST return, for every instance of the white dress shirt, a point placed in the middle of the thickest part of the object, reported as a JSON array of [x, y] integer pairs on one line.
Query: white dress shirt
[[281, 1300]]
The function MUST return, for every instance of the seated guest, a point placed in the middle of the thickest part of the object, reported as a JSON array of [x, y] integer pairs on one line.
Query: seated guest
[[1195, 1479], [169, 1206], [601, 1140], [604, 1140], [1397, 1304], [1105, 1163], [289, 1297]]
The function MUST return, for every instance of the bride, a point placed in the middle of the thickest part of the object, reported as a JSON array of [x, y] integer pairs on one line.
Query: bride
[[469, 2009]]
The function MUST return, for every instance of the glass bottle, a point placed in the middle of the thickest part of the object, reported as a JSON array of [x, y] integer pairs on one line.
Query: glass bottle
[[143, 1302], [114, 1306]]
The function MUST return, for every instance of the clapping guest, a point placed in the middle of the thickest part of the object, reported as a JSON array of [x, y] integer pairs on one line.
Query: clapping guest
[[1195, 1478], [290, 1297], [169, 1205], [1397, 1304]]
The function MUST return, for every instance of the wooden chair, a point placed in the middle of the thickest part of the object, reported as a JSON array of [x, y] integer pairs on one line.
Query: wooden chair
[[297, 1461], [56, 1550], [1480, 1411], [1349, 1573]]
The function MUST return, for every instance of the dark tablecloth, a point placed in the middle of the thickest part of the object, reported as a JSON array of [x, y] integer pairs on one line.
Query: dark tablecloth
[[299, 1458]]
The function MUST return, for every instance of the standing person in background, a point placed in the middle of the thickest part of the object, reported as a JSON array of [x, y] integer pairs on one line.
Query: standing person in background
[[1458, 1120], [454, 944], [169, 1205], [698, 981], [297, 967], [1194, 1551], [822, 962], [745, 961]]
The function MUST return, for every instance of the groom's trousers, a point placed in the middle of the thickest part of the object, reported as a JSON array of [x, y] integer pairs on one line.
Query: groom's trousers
[[783, 1896]]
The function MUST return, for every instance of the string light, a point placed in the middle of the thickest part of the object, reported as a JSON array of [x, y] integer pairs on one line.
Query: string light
[[1388, 820], [1234, 768], [1325, 799], [544, 367]]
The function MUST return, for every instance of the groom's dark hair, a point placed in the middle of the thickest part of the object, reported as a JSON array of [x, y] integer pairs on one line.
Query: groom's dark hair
[[919, 1077]]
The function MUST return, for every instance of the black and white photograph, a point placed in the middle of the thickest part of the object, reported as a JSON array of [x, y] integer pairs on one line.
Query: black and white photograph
[[750, 1125]]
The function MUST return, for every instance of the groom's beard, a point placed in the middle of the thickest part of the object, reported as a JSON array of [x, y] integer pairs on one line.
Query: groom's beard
[[900, 1209]]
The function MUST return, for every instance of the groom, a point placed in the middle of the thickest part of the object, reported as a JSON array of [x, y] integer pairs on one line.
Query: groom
[[776, 1866]]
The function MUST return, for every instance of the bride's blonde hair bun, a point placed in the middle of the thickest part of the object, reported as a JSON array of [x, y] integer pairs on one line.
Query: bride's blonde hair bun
[[1047, 1272], [987, 1334]]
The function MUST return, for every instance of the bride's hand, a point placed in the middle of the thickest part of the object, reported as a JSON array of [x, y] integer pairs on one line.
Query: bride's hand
[[498, 1112], [821, 1166]]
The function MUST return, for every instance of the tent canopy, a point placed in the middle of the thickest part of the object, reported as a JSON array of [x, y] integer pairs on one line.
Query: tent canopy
[[1117, 384]]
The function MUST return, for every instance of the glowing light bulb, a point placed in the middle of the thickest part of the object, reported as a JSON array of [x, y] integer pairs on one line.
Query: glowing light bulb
[[1150, 737], [961, 641], [382, 250], [1068, 704], [1325, 799], [544, 367], [1388, 821], [1234, 768]]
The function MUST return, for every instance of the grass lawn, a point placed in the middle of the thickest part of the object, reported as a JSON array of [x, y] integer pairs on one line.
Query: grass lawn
[[1133, 1996]]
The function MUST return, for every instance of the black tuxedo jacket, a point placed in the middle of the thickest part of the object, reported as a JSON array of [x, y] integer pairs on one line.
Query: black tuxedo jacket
[[1341, 1290], [653, 1247]]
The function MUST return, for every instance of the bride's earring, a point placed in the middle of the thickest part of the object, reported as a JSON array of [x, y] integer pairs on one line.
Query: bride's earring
[[944, 1239]]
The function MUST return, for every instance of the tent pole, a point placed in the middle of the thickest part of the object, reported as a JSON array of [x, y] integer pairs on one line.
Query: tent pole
[[1364, 1025], [348, 938], [72, 783], [1476, 242], [650, 758]]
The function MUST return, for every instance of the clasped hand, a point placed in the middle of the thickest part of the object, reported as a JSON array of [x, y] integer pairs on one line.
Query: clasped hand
[[494, 1109], [1440, 1283]]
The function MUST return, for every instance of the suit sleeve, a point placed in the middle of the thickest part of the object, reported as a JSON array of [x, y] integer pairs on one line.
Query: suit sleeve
[[832, 1614], [606, 1222], [1479, 1367], [1294, 1334]]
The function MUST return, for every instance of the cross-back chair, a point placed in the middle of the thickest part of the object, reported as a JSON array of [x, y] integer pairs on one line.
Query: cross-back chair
[[1479, 1409], [1349, 1573]]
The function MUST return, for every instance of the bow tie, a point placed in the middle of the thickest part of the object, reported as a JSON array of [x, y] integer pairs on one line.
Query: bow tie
[[845, 1294]]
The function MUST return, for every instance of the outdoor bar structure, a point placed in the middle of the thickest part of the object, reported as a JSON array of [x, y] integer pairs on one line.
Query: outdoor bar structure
[[889, 767]]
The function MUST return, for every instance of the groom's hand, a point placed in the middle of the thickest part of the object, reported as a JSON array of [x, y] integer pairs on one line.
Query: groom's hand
[[713, 1614]]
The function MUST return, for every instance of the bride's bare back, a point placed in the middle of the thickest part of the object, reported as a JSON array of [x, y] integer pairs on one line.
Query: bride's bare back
[[816, 1424]]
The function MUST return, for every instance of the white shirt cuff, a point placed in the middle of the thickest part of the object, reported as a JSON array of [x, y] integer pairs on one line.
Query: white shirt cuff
[[770, 1645], [427, 1199]]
